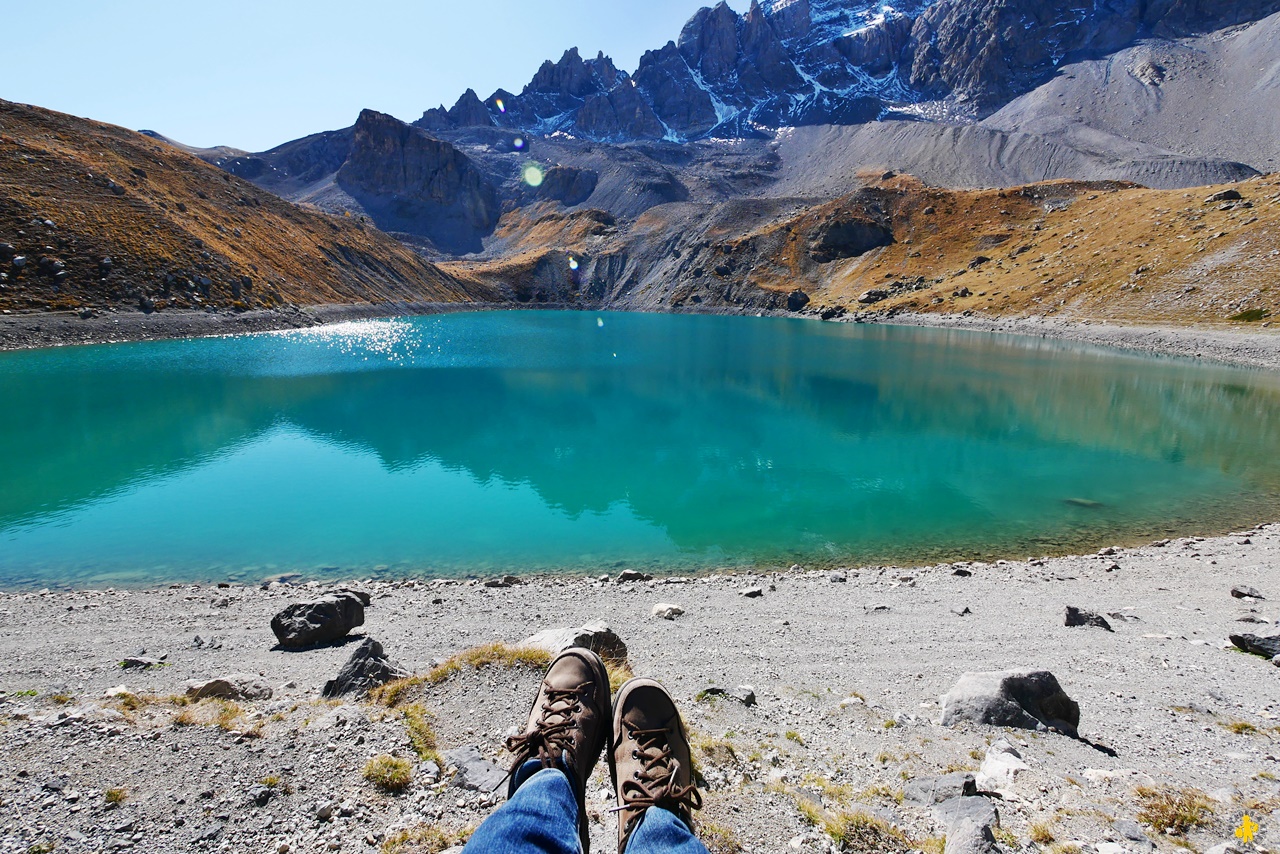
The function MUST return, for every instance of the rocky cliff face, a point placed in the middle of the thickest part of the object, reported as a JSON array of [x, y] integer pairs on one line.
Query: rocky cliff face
[[411, 181], [804, 62]]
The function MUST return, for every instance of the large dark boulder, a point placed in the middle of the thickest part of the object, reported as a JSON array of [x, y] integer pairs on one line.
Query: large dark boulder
[[1080, 617], [367, 668], [1029, 699], [323, 620], [1268, 646]]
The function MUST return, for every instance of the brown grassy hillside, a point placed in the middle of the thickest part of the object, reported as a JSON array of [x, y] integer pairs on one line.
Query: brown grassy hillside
[[1067, 249], [178, 232]]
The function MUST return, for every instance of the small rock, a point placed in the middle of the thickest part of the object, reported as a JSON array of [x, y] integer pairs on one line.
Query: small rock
[[237, 686], [876, 608], [838, 578], [927, 791], [961, 610], [367, 668], [744, 694], [504, 581], [953, 811], [633, 575], [326, 811], [1224, 196], [970, 837], [752, 592], [1130, 830], [1080, 617], [139, 662], [961, 573], [666, 611], [1241, 591], [261, 795], [1000, 767], [475, 773], [595, 636]]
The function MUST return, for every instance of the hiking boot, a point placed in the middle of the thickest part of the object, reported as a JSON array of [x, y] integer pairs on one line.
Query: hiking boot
[[567, 725], [649, 757]]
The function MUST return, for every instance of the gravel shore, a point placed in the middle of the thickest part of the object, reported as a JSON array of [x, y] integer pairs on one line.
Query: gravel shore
[[846, 666]]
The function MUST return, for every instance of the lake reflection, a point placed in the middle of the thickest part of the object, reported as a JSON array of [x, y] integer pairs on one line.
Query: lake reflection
[[546, 441]]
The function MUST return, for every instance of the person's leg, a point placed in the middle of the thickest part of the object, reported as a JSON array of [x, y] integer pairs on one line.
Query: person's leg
[[566, 730], [540, 818], [652, 773], [663, 832]]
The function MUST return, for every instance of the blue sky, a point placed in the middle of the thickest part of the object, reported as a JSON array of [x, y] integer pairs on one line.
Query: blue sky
[[256, 74]]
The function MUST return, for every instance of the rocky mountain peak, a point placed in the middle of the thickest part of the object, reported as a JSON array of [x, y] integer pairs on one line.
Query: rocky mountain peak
[[799, 62]]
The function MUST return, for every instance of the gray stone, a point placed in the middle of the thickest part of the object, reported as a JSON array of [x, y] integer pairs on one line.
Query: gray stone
[[744, 694], [237, 686], [1029, 699], [1268, 646], [666, 611], [139, 662], [368, 667], [1226, 848], [504, 581], [261, 795], [1080, 617], [753, 592], [633, 575], [797, 300], [474, 772], [595, 636], [1130, 830], [927, 791], [1224, 196], [952, 812], [970, 837], [428, 772], [961, 610], [1241, 591], [320, 621]]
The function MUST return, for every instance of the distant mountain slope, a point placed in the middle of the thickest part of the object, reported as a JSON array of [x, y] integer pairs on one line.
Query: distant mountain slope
[[95, 216]]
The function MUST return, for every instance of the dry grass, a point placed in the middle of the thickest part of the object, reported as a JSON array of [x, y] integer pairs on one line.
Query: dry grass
[[389, 773], [115, 796], [1173, 811], [421, 735], [170, 212], [1240, 727], [1041, 832], [719, 839], [423, 839], [854, 830]]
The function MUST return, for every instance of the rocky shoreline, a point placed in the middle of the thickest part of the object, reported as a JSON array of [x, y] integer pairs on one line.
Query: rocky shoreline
[[813, 696], [1258, 348]]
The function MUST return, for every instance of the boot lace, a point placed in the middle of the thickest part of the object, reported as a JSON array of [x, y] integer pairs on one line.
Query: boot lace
[[654, 783], [552, 736]]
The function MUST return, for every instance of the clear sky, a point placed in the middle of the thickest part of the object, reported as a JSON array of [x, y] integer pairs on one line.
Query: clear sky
[[256, 73]]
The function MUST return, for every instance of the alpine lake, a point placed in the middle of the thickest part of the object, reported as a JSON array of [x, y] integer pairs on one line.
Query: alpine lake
[[519, 442]]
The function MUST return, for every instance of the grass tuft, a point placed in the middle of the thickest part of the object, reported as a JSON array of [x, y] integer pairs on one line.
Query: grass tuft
[[1173, 811], [389, 773], [115, 796], [1041, 833], [1240, 727], [490, 655], [792, 735], [423, 839], [421, 736], [719, 839]]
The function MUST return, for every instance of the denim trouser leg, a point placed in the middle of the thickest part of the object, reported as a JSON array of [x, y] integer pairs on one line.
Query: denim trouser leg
[[540, 818], [661, 832]]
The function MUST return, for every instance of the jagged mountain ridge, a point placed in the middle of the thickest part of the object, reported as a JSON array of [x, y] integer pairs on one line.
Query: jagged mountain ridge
[[806, 62]]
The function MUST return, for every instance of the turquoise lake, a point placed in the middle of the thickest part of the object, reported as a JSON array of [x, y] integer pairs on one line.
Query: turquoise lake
[[520, 442]]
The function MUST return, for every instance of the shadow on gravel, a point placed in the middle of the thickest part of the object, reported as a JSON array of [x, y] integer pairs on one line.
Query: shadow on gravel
[[340, 642]]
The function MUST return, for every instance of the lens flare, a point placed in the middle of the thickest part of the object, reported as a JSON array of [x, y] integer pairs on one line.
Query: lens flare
[[502, 108], [518, 143], [573, 263], [532, 174], [600, 321]]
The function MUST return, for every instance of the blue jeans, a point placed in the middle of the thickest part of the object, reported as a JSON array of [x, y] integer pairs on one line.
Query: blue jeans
[[542, 818]]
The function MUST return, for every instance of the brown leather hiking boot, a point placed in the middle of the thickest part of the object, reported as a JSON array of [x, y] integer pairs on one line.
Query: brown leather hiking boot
[[567, 724], [649, 757]]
